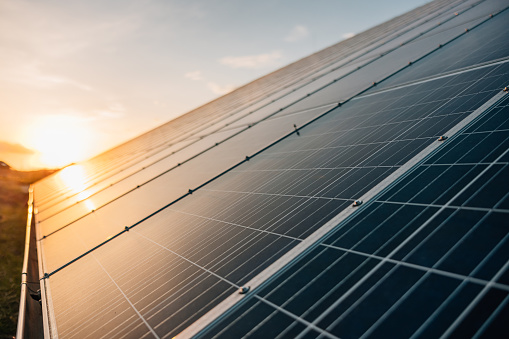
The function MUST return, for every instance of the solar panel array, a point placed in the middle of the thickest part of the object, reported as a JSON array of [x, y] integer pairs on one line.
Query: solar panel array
[[427, 257], [155, 237]]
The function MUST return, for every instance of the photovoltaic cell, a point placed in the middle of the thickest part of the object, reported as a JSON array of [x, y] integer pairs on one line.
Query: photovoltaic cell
[[482, 44], [416, 244], [420, 42], [176, 180], [106, 190]]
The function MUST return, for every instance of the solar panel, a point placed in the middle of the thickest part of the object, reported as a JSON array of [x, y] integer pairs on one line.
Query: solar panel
[[420, 42], [164, 230], [437, 239], [482, 44]]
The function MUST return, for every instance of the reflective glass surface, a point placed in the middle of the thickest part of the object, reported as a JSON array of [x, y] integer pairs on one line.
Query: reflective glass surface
[[214, 197], [437, 239]]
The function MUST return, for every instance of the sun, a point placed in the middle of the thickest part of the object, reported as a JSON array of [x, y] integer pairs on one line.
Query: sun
[[60, 139]]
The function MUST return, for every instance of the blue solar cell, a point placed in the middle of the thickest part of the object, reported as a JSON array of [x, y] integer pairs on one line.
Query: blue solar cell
[[420, 243]]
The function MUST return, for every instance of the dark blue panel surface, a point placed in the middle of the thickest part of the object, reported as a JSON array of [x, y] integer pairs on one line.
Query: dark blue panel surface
[[438, 239]]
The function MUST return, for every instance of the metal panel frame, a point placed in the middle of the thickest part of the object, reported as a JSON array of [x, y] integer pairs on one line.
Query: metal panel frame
[[48, 312]]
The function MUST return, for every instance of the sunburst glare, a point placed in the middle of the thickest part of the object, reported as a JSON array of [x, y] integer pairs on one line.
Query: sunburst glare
[[60, 140]]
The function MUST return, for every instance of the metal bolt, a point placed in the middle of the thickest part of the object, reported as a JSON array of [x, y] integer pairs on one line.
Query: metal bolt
[[506, 89], [296, 129], [357, 203], [244, 289]]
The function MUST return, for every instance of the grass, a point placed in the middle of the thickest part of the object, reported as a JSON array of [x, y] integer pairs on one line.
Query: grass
[[13, 216]]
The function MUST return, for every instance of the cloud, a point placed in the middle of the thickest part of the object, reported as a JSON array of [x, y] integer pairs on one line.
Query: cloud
[[30, 74], [220, 90], [213, 86], [253, 61], [46, 29], [299, 32], [348, 35], [110, 113], [195, 75], [7, 147]]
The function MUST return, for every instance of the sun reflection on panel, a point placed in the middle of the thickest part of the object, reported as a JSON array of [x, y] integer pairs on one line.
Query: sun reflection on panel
[[75, 177], [90, 205]]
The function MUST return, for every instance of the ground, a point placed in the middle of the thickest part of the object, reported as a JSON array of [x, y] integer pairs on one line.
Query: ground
[[13, 215]]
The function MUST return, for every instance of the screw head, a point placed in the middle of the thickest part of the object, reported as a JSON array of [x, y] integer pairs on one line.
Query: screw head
[[357, 203], [244, 289]]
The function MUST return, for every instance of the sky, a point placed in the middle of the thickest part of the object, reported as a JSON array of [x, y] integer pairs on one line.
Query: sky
[[79, 77]]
